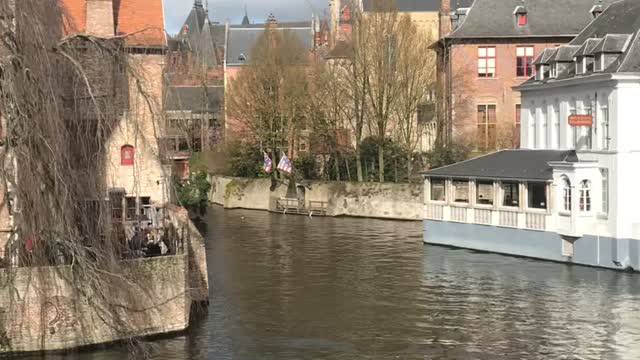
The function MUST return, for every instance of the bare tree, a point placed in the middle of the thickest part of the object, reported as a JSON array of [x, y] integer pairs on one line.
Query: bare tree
[[416, 66], [269, 98]]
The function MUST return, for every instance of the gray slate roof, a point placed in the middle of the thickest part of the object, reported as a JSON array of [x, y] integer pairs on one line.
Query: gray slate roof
[[545, 56], [241, 40], [587, 48], [546, 18], [564, 53], [197, 99], [611, 43], [419, 5], [507, 164], [610, 29]]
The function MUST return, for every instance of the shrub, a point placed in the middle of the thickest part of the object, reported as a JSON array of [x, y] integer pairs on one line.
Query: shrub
[[306, 166], [194, 193], [246, 160], [443, 155]]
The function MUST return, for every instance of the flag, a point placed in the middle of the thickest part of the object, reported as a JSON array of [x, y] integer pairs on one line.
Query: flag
[[267, 163], [285, 164]]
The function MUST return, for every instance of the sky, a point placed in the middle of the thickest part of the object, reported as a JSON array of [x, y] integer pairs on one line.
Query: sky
[[176, 11]]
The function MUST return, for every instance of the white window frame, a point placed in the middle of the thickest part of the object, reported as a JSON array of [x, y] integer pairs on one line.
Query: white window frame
[[567, 201], [585, 201], [604, 205]]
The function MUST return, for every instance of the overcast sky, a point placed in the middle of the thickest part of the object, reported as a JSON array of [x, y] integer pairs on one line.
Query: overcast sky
[[176, 11]]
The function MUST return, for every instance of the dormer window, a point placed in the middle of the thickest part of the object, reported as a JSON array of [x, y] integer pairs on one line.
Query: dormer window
[[581, 65], [599, 63], [596, 10], [522, 19], [540, 72], [521, 15]]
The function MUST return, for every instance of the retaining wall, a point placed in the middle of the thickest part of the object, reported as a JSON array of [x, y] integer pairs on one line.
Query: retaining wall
[[40, 309], [387, 200]]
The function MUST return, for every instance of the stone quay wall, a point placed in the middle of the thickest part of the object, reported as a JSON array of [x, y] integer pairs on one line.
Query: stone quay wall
[[41, 311], [376, 200]]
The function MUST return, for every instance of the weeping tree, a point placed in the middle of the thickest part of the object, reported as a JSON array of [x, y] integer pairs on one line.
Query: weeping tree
[[61, 99], [269, 98]]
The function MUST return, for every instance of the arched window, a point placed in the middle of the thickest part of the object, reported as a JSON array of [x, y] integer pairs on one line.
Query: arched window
[[126, 155], [585, 195], [566, 194]]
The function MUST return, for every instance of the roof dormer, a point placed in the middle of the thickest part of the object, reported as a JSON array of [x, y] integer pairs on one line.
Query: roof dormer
[[607, 50], [562, 60], [597, 9], [584, 56], [521, 14]]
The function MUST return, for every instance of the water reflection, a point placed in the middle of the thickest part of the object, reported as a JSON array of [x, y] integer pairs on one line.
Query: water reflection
[[293, 287]]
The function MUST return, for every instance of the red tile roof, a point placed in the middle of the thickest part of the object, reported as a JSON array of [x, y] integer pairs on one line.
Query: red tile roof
[[142, 19]]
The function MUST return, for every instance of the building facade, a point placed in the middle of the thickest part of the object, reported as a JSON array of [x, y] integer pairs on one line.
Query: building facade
[[134, 169], [489, 48], [568, 194]]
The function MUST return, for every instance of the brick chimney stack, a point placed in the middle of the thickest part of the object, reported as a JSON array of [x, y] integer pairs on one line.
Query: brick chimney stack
[[100, 19], [445, 18]]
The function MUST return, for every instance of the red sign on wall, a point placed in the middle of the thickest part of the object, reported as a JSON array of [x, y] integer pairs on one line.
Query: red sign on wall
[[580, 120]]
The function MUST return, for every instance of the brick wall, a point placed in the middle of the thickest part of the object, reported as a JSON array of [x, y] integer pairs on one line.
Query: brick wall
[[100, 20], [39, 310], [469, 90], [140, 127]]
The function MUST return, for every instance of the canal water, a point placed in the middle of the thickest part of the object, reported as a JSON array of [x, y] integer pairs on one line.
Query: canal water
[[294, 287]]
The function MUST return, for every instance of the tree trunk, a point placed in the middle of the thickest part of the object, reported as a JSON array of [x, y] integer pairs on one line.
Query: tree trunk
[[346, 162], [359, 165], [381, 163], [336, 162], [409, 167]]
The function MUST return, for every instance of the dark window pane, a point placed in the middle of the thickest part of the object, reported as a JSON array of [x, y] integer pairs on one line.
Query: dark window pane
[[537, 195]]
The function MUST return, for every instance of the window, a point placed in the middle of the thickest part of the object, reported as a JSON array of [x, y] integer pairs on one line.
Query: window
[[484, 192], [556, 126], [486, 134], [516, 129], [522, 19], [126, 155], [510, 194], [605, 128], [486, 61], [566, 194], [438, 190], [537, 195], [461, 191], [585, 196], [131, 207], [524, 61], [605, 190]]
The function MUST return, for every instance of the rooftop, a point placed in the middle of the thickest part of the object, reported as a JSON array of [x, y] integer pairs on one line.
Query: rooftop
[[507, 165], [545, 18], [419, 5], [142, 20]]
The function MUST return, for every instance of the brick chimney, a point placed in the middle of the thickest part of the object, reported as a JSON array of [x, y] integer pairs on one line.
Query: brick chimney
[[445, 18], [100, 21]]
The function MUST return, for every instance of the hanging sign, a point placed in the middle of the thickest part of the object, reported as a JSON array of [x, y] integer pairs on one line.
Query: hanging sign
[[580, 120]]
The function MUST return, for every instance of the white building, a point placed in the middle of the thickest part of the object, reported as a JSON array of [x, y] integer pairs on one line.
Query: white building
[[569, 194]]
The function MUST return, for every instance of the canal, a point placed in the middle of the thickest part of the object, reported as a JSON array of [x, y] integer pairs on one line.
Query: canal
[[294, 287]]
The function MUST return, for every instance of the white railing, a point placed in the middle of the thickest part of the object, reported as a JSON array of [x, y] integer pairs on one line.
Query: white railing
[[536, 221], [459, 214], [434, 212], [508, 218], [483, 216]]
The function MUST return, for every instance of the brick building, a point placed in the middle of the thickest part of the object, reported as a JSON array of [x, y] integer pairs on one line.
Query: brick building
[[486, 50], [133, 164]]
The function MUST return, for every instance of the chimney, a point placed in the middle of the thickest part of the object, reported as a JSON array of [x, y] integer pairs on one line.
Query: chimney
[[445, 21], [100, 21]]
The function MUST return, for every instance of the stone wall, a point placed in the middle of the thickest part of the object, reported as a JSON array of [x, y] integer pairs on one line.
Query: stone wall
[[389, 200], [40, 310]]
